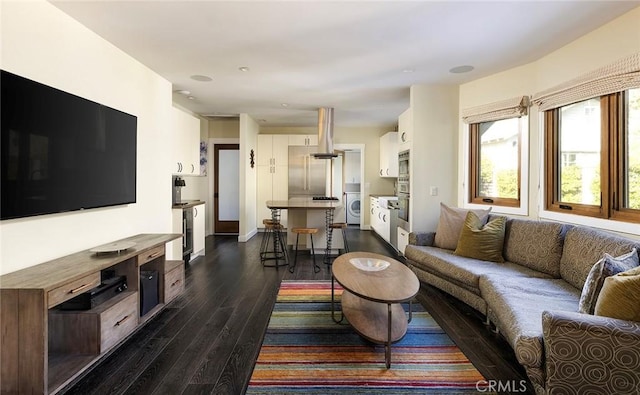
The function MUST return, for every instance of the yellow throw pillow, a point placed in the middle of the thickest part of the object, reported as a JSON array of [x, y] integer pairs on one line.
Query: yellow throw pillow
[[482, 242], [620, 296]]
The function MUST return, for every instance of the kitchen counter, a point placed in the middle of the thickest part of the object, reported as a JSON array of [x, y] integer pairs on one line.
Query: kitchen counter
[[304, 203], [303, 212], [187, 204], [378, 195]]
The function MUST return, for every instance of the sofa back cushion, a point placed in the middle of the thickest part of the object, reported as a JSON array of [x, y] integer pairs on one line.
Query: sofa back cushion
[[535, 244], [584, 246]]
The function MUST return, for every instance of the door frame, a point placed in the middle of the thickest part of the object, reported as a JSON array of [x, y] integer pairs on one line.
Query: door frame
[[364, 189], [212, 179]]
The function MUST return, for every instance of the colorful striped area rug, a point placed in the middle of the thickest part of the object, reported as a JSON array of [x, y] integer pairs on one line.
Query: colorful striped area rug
[[305, 352]]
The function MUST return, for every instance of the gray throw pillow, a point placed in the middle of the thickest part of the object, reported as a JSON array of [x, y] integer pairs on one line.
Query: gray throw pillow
[[605, 267], [450, 225]]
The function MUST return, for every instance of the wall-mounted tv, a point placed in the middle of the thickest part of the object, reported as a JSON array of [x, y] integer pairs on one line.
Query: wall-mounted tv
[[60, 152]]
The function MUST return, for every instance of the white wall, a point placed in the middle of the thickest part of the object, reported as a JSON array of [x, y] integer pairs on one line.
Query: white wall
[[433, 162], [42, 43], [605, 45], [249, 129]]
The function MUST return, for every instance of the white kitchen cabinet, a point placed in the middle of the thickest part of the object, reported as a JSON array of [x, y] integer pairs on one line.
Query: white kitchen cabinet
[[185, 130], [403, 239], [374, 218], [272, 150], [199, 215], [352, 163], [385, 223], [405, 130], [272, 159], [272, 184], [389, 155], [303, 139]]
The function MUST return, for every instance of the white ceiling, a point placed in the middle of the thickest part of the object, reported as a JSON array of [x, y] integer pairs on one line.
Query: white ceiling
[[350, 55]]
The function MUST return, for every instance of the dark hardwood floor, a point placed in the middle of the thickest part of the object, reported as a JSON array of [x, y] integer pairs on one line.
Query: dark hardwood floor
[[206, 341]]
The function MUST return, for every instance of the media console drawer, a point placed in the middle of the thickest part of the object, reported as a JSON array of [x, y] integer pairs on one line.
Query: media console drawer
[[173, 283], [150, 255], [118, 321], [72, 289], [93, 331]]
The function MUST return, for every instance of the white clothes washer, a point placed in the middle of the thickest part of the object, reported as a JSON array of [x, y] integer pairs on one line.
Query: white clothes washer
[[353, 207]]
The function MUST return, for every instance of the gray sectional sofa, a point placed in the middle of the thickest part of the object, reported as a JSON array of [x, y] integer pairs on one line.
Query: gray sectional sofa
[[532, 298]]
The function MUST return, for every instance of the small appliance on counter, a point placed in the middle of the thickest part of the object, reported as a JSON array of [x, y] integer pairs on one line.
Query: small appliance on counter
[[177, 183]]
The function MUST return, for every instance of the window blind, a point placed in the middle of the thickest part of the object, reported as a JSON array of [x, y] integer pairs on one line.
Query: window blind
[[616, 77], [510, 108]]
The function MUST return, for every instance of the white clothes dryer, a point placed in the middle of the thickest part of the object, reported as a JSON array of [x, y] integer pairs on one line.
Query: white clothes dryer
[[353, 207]]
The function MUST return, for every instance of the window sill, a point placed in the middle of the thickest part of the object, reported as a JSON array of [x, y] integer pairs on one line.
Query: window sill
[[498, 209], [605, 224]]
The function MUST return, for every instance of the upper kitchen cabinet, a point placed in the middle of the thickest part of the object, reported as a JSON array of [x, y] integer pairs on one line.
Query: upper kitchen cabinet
[[389, 155], [273, 150], [303, 139], [186, 142], [405, 130]]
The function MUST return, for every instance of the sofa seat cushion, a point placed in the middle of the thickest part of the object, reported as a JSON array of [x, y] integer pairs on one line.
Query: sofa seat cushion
[[516, 304], [460, 270]]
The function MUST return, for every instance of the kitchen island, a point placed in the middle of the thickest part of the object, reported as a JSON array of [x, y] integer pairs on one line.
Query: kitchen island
[[307, 213]]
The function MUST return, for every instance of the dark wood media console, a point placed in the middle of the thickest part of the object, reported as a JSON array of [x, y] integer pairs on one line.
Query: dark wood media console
[[43, 348]]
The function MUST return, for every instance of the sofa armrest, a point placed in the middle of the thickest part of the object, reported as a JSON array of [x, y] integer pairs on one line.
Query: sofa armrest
[[422, 238], [584, 352]]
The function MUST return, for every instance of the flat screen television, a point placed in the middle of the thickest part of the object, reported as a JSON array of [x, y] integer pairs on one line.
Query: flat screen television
[[60, 152]]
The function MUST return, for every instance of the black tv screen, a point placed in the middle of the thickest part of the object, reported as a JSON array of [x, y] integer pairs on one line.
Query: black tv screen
[[60, 152]]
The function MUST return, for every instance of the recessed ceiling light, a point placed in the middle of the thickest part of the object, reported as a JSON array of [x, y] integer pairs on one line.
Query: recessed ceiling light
[[183, 92], [284, 105], [243, 69], [408, 70], [461, 69], [201, 78], [191, 98]]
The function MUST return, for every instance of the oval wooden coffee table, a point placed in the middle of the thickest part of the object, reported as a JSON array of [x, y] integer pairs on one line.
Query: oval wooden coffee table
[[374, 286]]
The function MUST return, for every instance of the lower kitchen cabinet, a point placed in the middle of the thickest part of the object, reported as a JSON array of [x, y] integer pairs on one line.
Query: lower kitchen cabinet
[[403, 239], [199, 232], [189, 219]]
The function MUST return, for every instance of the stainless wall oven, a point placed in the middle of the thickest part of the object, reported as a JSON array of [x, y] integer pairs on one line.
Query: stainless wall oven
[[403, 210], [403, 189]]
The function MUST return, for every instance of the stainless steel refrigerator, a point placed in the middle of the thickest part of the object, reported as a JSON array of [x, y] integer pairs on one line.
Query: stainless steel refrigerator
[[307, 175]]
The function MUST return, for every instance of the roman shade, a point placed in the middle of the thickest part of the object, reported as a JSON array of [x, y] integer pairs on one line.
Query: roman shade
[[616, 77], [510, 108]]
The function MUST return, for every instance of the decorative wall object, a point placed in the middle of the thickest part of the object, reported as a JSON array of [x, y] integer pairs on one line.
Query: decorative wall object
[[251, 159], [203, 158]]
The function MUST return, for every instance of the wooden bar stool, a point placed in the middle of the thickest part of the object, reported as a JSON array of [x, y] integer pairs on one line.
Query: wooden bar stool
[[310, 232], [279, 251], [343, 227]]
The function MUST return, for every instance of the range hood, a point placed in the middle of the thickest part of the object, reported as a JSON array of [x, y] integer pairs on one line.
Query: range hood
[[325, 134]]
